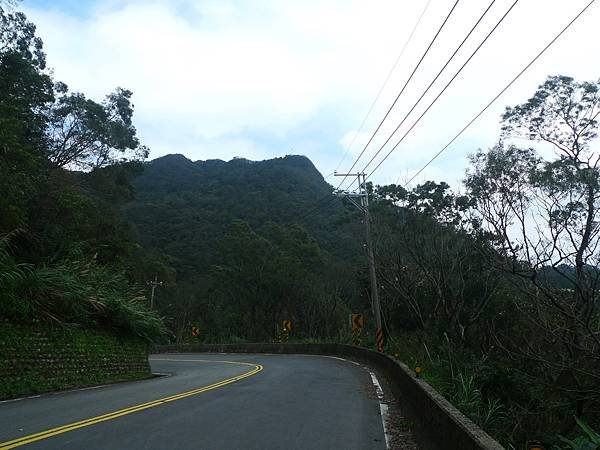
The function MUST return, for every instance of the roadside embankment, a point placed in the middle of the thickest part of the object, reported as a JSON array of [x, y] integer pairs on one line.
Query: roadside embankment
[[35, 359], [441, 425]]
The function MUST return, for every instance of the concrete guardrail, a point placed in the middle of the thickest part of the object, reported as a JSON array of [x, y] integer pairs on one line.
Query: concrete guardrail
[[439, 425]]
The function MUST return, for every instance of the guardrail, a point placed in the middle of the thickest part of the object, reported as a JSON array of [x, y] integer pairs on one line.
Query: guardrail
[[439, 424]]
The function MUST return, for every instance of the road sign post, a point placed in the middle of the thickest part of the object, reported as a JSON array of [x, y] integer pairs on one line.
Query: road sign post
[[286, 329], [357, 322], [287, 325], [379, 339]]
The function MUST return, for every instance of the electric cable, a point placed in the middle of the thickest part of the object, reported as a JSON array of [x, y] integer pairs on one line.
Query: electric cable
[[323, 201], [318, 205], [502, 91], [402, 90], [441, 92], [433, 81], [387, 79]]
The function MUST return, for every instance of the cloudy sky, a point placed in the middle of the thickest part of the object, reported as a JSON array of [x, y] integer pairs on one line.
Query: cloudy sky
[[266, 78]]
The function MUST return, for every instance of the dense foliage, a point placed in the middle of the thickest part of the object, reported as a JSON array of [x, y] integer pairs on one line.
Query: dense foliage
[[64, 248], [496, 291], [493, 291], [233, 257]]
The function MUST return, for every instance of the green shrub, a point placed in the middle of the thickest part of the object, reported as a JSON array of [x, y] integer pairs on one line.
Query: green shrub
[[590, 440], [74, 291]]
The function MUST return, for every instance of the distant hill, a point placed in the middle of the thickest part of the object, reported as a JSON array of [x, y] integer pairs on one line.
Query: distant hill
[[182, 208]]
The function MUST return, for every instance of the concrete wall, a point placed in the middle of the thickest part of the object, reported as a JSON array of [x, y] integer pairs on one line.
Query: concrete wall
[[36, 359], [439, 424]]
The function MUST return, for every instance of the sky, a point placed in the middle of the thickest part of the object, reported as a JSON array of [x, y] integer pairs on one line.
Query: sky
[[260, 79]]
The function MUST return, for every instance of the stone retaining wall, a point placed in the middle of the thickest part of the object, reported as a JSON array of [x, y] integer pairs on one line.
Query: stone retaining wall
[[440, 424], [38, 359]]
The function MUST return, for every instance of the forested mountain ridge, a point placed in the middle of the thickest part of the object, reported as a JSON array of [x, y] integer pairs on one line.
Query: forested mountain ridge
[[183, 207], [188, 215], [276, 189], [176, 172]]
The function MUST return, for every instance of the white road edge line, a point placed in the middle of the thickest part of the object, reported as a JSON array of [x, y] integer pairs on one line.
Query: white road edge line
[[336, 357], [383, 408]]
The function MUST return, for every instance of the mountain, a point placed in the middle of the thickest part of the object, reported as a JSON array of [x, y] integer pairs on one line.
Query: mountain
[[188, 215], [182, 208]]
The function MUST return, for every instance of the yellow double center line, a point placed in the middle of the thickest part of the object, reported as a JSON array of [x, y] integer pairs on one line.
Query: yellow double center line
[[132, 409]]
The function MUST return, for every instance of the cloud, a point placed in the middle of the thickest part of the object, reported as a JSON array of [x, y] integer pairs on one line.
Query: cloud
[[223, 78]]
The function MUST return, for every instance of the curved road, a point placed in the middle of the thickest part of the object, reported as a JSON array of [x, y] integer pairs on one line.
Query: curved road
[[208, 402]]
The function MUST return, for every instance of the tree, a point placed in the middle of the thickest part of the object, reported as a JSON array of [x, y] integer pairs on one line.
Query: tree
[[562, 113], [543, 216], [242, 277], [429, 263], [85, 134], [17, 35], [63, 243], [294, 284], [25, 90]]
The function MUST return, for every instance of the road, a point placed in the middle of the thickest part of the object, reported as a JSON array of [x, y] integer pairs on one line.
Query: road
[[208, 402]]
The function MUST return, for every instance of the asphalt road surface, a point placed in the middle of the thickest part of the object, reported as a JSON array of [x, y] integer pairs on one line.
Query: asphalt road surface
[[208, 402]]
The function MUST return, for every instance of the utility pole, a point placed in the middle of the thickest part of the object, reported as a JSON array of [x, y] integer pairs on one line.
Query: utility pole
[[154, 284], [360, 199]]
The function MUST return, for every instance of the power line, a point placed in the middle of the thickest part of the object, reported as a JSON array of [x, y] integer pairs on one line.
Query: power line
[[402, 90], [432, 82], [328, 199], [324, 201], [387, 79], [503, 90], [442, 91], [318, 205]]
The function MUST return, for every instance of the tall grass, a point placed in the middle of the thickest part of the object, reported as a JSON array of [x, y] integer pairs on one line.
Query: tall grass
[[74, 291]]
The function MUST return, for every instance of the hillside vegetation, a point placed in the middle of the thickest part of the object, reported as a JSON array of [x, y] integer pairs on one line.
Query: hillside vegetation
[[234, 253], [492, 290], [65, 251]]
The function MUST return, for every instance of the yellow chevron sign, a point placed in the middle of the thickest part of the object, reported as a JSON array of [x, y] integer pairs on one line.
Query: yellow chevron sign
[[358, 322]]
